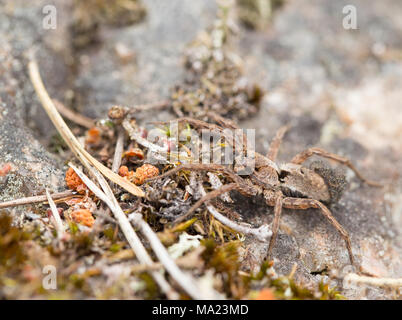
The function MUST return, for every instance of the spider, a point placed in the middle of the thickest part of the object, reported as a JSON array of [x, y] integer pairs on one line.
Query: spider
[[290, 186]]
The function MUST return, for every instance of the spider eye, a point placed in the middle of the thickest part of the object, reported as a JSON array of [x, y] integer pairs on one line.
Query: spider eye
[[283, 174]]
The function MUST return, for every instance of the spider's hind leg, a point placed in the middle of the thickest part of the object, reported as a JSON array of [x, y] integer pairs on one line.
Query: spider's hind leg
[[274, 199], [303, 204], [304, 155]]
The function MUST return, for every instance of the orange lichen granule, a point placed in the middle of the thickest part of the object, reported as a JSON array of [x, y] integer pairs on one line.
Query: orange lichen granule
[[74, 182], [5, 169], [134, 152], [93, 136], [84, 217], [123, 171], [141, 174], [144, 172], [266, 294]]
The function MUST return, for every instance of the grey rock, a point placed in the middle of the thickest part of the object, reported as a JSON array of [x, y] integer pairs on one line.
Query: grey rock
[[33, 168], [157, 43]]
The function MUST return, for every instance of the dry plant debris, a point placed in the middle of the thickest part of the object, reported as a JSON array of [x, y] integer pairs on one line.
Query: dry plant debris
[[215, 79]]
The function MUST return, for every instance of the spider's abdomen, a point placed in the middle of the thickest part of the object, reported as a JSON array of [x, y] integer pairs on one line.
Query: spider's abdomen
[[334, 178]]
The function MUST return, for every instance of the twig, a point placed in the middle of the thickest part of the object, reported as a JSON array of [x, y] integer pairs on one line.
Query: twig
[[134, 135], [188, 261], [159, 152], [118, 152], [293, 271], [73, 116], [69, 137], [149, 106], [186, 281], [35, 199], [58, 224], [262, 233], [380, 282]]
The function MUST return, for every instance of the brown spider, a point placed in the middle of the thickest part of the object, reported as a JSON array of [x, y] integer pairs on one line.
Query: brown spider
[[290, 186]]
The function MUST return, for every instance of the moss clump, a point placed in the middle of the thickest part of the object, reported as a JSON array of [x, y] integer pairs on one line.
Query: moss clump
[[11, 240], [224, 259], [12, 255]]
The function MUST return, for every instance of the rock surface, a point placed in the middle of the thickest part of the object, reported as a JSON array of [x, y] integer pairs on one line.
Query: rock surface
[[33, 168], [141, 63]]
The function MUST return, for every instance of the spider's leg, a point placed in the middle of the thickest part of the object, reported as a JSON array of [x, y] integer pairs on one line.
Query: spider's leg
[[211, 195], [195, 167], [276, 142], [276, 200], [304, 155], [224, 122], [303, 204]]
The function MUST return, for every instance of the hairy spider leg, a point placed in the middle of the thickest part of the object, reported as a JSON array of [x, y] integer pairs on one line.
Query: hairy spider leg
[[304, 155]]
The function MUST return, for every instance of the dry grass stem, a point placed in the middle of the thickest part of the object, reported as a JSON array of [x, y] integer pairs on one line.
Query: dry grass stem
[[185, 281], [58, 224], [35, 199], [379, 282], [69, 137], [118, 151], [73, 116]]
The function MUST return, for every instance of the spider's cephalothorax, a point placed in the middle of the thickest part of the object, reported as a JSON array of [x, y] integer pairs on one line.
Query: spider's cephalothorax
[[301, 182], [290, 185]]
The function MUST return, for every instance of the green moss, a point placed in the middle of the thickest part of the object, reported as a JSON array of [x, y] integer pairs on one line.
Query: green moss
[[151, 288], [11, 241], [116, 247], [256, 14], [286, 288]]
